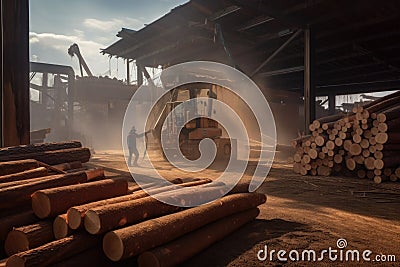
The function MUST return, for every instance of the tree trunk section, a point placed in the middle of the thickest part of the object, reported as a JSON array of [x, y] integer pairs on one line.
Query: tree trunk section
[[133, 240], [182, 249]]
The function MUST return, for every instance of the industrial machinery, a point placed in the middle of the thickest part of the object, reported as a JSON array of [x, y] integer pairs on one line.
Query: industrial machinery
[[74, 50], [87, 108], [194, 131]]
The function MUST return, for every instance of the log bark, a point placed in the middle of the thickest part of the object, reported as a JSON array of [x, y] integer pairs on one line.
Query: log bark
[[102, 219], [53, 157], [27, 237], [21, 194], [94, 257], [16, 220], [332, 118], [393, 138], [35, 148], [54, 252], [133, 240], [76, 214], [60, 227], [391, 162], [393, 124], [33, 173], [51, 202], [11, 167], [68, 166], [24, 182], [182, 249], [366, 106], [383, 105]]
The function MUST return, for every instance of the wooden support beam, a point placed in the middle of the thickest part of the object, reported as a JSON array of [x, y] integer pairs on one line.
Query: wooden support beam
[[277, 51], [223, 12], [15, 72], [254, 22]]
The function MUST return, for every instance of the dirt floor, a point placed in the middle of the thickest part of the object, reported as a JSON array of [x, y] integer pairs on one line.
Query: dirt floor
[[301, 213]]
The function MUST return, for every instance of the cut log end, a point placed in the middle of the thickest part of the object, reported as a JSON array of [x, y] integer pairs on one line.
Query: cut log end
[[41, 204], [113, 246], [16, 242], [74, 218], [60, 227], [15, 261], [148, 259], [92, 222]]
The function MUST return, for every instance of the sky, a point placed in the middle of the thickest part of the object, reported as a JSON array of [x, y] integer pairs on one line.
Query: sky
[[92, 24]]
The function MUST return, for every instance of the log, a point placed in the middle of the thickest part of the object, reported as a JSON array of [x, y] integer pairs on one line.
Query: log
[[361, 173], [364, 143], [53, 157], [104, 218], [298, 141], [77, 213], [133, 240], [18, 219], [392, 138], [68, 166], [370, 175], [382, 105], [393, 124], [54, 252], [60, 227], [369, 163], [33, 173], [359, 159], [391, 147], [391, 162], [51, 202], [11, 167], [393, 178], [27, 237], [350, 164], [380, 179], [331, 118], [390, 96], [35, 148], [94, 257], [182, 249], [389, 114], [21, 194], [355, 150], [397, 172], [24, 182]]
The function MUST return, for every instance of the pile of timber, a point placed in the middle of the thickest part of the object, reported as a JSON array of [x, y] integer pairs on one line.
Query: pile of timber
[[83, 218], [48, 153], [364, 143]]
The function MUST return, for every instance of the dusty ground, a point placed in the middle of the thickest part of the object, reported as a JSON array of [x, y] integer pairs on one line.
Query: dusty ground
[[300, 213]]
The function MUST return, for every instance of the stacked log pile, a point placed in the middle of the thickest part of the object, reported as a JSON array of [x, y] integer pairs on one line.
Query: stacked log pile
[[59, 215], [364, 143]]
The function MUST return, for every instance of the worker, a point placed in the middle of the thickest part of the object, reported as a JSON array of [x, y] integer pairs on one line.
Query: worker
[[131, 140]]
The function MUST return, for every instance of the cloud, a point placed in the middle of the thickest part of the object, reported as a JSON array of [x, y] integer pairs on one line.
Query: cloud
[[112, 25], [52, 48]]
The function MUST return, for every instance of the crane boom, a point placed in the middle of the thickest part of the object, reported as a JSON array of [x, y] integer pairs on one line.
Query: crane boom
[[74, 50]]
